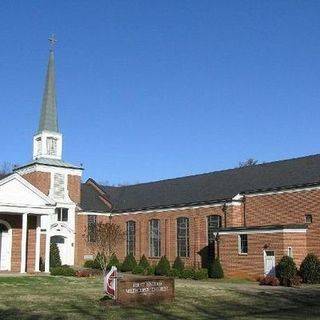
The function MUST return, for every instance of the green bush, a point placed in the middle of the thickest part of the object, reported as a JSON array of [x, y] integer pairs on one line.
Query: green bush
[[144, 263], [97, 261], [64, 270], [163, 267], [215, 269], [286, 271], [200, 274], [129, 263], [175, 273], [178, 264], [187, 273], [310, 269], [150, 271], [55, 260], [89, 264], [138, 270], [113, 262]]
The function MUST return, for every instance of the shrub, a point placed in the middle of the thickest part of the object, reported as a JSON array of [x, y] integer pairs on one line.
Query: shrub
[[144, 263], [97, 261], [200, 274], [41, 264], [55, 260], [269, 281], [310, 269], [150, 271], [187, 273], [215, 269], [113, 262], [178, 264], [163, 267], [89, 264], [175, 273], [296, 281], [286, 271], [64, 270], [138, 270], [87, 272], [129, 263]]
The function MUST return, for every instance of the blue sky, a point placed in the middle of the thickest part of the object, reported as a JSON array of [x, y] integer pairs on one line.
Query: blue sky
[[157, 89]]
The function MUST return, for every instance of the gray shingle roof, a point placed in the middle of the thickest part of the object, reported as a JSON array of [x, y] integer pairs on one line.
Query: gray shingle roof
[[215, 186], [90, 200]]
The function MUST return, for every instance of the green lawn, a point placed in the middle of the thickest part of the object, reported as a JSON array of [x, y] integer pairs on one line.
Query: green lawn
[[78, 298]]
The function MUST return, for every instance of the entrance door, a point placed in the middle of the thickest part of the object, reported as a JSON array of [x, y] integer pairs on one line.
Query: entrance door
[[269, 263], [4, 248]]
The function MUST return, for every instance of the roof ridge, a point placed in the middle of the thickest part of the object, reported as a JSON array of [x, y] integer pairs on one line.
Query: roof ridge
[[211, 172]]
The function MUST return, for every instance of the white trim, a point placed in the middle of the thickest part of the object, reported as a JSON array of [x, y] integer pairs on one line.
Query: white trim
[[47, 246], [302, 230], [21, 210], [89, 213], [49, 168], [10, 241], [24, 243], [266, 193], [38, 235]]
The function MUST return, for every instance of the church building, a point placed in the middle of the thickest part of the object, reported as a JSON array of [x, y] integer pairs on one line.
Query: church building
[[249, 217]]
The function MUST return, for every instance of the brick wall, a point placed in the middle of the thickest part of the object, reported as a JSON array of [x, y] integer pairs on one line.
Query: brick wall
[[74, 188], [41, 180]]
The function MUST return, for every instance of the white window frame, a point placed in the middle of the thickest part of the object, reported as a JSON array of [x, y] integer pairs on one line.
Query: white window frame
[[239, 244], [290, 252]]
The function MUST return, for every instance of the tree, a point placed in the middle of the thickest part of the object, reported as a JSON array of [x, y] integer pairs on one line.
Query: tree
[[107, 235], [286, 271], [248, 163], [5, 168], [55, 260], [310, 269]]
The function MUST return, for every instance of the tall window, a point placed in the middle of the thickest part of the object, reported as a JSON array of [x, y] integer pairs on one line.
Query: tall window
[[92, 223], [154, 238], [183, 237], [131, 237], [243, 243], [39, 145], [62, 214], [52, 146], [214, 223]]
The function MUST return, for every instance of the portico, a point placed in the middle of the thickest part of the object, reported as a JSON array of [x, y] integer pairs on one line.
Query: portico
[[21, 209]]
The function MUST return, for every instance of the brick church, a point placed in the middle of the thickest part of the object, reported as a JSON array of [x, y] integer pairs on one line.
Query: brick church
[[249, 217]]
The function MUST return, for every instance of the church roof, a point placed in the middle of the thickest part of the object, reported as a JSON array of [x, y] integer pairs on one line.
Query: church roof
[[49, 118], [50, 162], [213, 187]]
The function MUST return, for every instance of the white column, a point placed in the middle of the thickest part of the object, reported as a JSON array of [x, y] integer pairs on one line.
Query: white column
[[24, 243], [38, 235], [47, 253]]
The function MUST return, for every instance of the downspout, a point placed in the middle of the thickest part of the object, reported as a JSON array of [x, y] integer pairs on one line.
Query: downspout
[[244, 211], [224, 210]]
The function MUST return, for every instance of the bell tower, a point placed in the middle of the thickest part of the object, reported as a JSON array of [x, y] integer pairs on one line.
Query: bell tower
[[47, 142]]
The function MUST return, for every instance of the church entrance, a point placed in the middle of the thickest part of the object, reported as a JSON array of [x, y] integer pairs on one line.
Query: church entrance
[[5, 246], [62, 245]]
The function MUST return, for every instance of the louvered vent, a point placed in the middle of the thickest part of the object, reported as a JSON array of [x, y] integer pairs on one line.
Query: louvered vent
[[58, 186]]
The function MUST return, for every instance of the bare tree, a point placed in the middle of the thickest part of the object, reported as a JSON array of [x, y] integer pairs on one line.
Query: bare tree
[[248, 163], [5, 168], [105, 236]]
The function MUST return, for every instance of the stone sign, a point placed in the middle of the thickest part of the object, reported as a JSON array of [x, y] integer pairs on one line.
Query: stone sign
[[149, 289]]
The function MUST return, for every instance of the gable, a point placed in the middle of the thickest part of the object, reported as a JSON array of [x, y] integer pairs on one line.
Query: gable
[[16, 191]]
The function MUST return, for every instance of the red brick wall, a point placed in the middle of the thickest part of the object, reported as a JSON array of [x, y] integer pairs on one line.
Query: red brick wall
[[74, 188], [41, 180]]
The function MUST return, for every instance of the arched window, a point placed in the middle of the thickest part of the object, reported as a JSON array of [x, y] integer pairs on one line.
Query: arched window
[[214, 223], [131, 237], [183, 237], [52, 146], [154, 238]]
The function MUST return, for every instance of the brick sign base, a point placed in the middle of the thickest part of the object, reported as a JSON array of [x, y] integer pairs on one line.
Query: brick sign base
[[149, 289]]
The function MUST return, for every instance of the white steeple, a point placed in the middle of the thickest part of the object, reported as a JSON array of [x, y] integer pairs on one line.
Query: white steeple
[[47, 142]]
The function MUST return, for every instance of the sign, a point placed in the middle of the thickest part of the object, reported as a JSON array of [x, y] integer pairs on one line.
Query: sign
[[110, 282], [151, 289]]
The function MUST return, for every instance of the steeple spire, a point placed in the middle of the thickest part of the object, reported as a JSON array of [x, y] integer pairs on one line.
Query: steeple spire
[[49, 119]]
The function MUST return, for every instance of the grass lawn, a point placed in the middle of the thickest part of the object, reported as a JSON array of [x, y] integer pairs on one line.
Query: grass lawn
[[77, 298]]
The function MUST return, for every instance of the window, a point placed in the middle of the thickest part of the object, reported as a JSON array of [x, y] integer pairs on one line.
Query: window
[[308, 218], [92, 223], [52, 146], [214, 223], [243, 244], [290, 252], [38, 143], [183, 237], [154, 238], [62, 214], [131, 237]]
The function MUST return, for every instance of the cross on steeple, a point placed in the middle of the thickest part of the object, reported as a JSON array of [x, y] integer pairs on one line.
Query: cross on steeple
[[52, 41]]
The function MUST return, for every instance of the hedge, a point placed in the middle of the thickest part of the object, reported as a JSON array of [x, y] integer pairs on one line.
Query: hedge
[[163, 267], [64, 270]]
